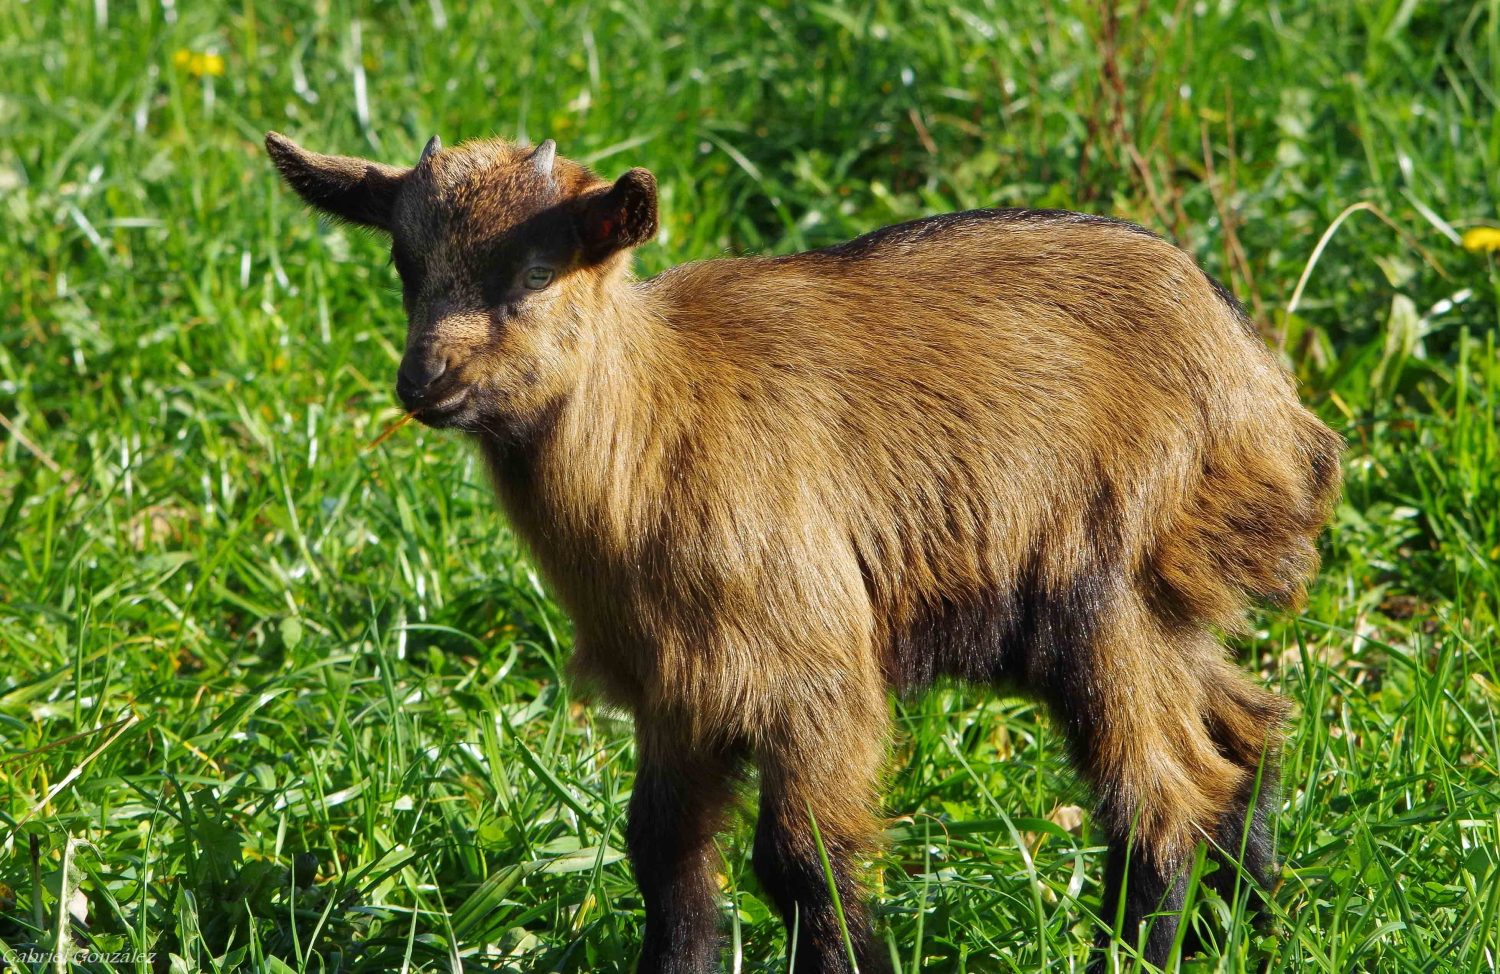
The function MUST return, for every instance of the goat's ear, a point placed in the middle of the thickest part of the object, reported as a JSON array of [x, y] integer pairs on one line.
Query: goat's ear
[[622, 216], [351, 189]]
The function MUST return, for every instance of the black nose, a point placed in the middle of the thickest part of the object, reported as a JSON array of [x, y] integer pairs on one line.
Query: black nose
[[417, 374]]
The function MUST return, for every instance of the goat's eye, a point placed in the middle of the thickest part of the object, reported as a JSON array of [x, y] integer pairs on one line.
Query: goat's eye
[[537, 277]]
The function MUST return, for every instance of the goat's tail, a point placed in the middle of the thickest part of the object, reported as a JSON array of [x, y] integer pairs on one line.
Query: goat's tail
[[1249, 529]]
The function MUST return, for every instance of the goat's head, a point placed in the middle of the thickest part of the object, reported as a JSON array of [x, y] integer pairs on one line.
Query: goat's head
[[504, 254]]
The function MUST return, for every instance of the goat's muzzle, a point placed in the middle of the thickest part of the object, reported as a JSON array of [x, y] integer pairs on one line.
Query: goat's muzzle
[[429, 389]]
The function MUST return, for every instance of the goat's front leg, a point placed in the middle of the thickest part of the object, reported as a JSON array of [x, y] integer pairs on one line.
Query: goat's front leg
[[681, 793], [827, 777]]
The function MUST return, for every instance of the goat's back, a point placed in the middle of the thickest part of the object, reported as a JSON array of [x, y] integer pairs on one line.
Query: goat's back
[[996, 399], [914, 446]]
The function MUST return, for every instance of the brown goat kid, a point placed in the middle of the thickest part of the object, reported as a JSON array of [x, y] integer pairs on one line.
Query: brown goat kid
[[1034, 450]]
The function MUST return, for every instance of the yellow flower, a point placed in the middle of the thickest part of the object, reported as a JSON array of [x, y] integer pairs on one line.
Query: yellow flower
[[199, 65], [1482, 239], [211, 64]]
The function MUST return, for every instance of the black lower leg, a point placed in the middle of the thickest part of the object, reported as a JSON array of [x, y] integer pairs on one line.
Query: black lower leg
[[791, 872], [675, 812], [1142, 905], [1148, 900], [1246, 854]]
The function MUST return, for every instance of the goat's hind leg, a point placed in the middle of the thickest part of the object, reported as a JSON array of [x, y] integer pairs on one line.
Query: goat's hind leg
[[1170, 736], [1244, 722]]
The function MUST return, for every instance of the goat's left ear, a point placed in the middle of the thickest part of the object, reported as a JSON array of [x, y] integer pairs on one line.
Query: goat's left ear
[[619, 217], [351, 189]]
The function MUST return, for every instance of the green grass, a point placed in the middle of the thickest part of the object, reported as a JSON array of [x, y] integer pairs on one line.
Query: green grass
[[270, 700]]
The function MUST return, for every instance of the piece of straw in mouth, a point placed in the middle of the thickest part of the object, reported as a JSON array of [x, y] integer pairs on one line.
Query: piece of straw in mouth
[[391, 429]]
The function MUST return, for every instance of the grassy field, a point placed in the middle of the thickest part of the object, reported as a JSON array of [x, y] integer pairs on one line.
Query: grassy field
[[271, 700]]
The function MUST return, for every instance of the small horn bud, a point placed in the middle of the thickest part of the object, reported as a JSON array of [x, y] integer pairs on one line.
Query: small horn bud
[[543, 157], [434, 146]]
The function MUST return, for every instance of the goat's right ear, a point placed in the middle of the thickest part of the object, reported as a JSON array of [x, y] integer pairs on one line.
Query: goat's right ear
[[355, 190], [619, 217]]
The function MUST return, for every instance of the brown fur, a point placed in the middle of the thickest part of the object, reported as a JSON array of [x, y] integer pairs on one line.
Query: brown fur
[[1032, 449]]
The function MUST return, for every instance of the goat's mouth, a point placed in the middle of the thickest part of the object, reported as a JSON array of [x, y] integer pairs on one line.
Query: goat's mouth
[[444, 411]]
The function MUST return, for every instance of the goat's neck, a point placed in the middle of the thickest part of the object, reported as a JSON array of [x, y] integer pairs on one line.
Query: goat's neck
[[587, 479]]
